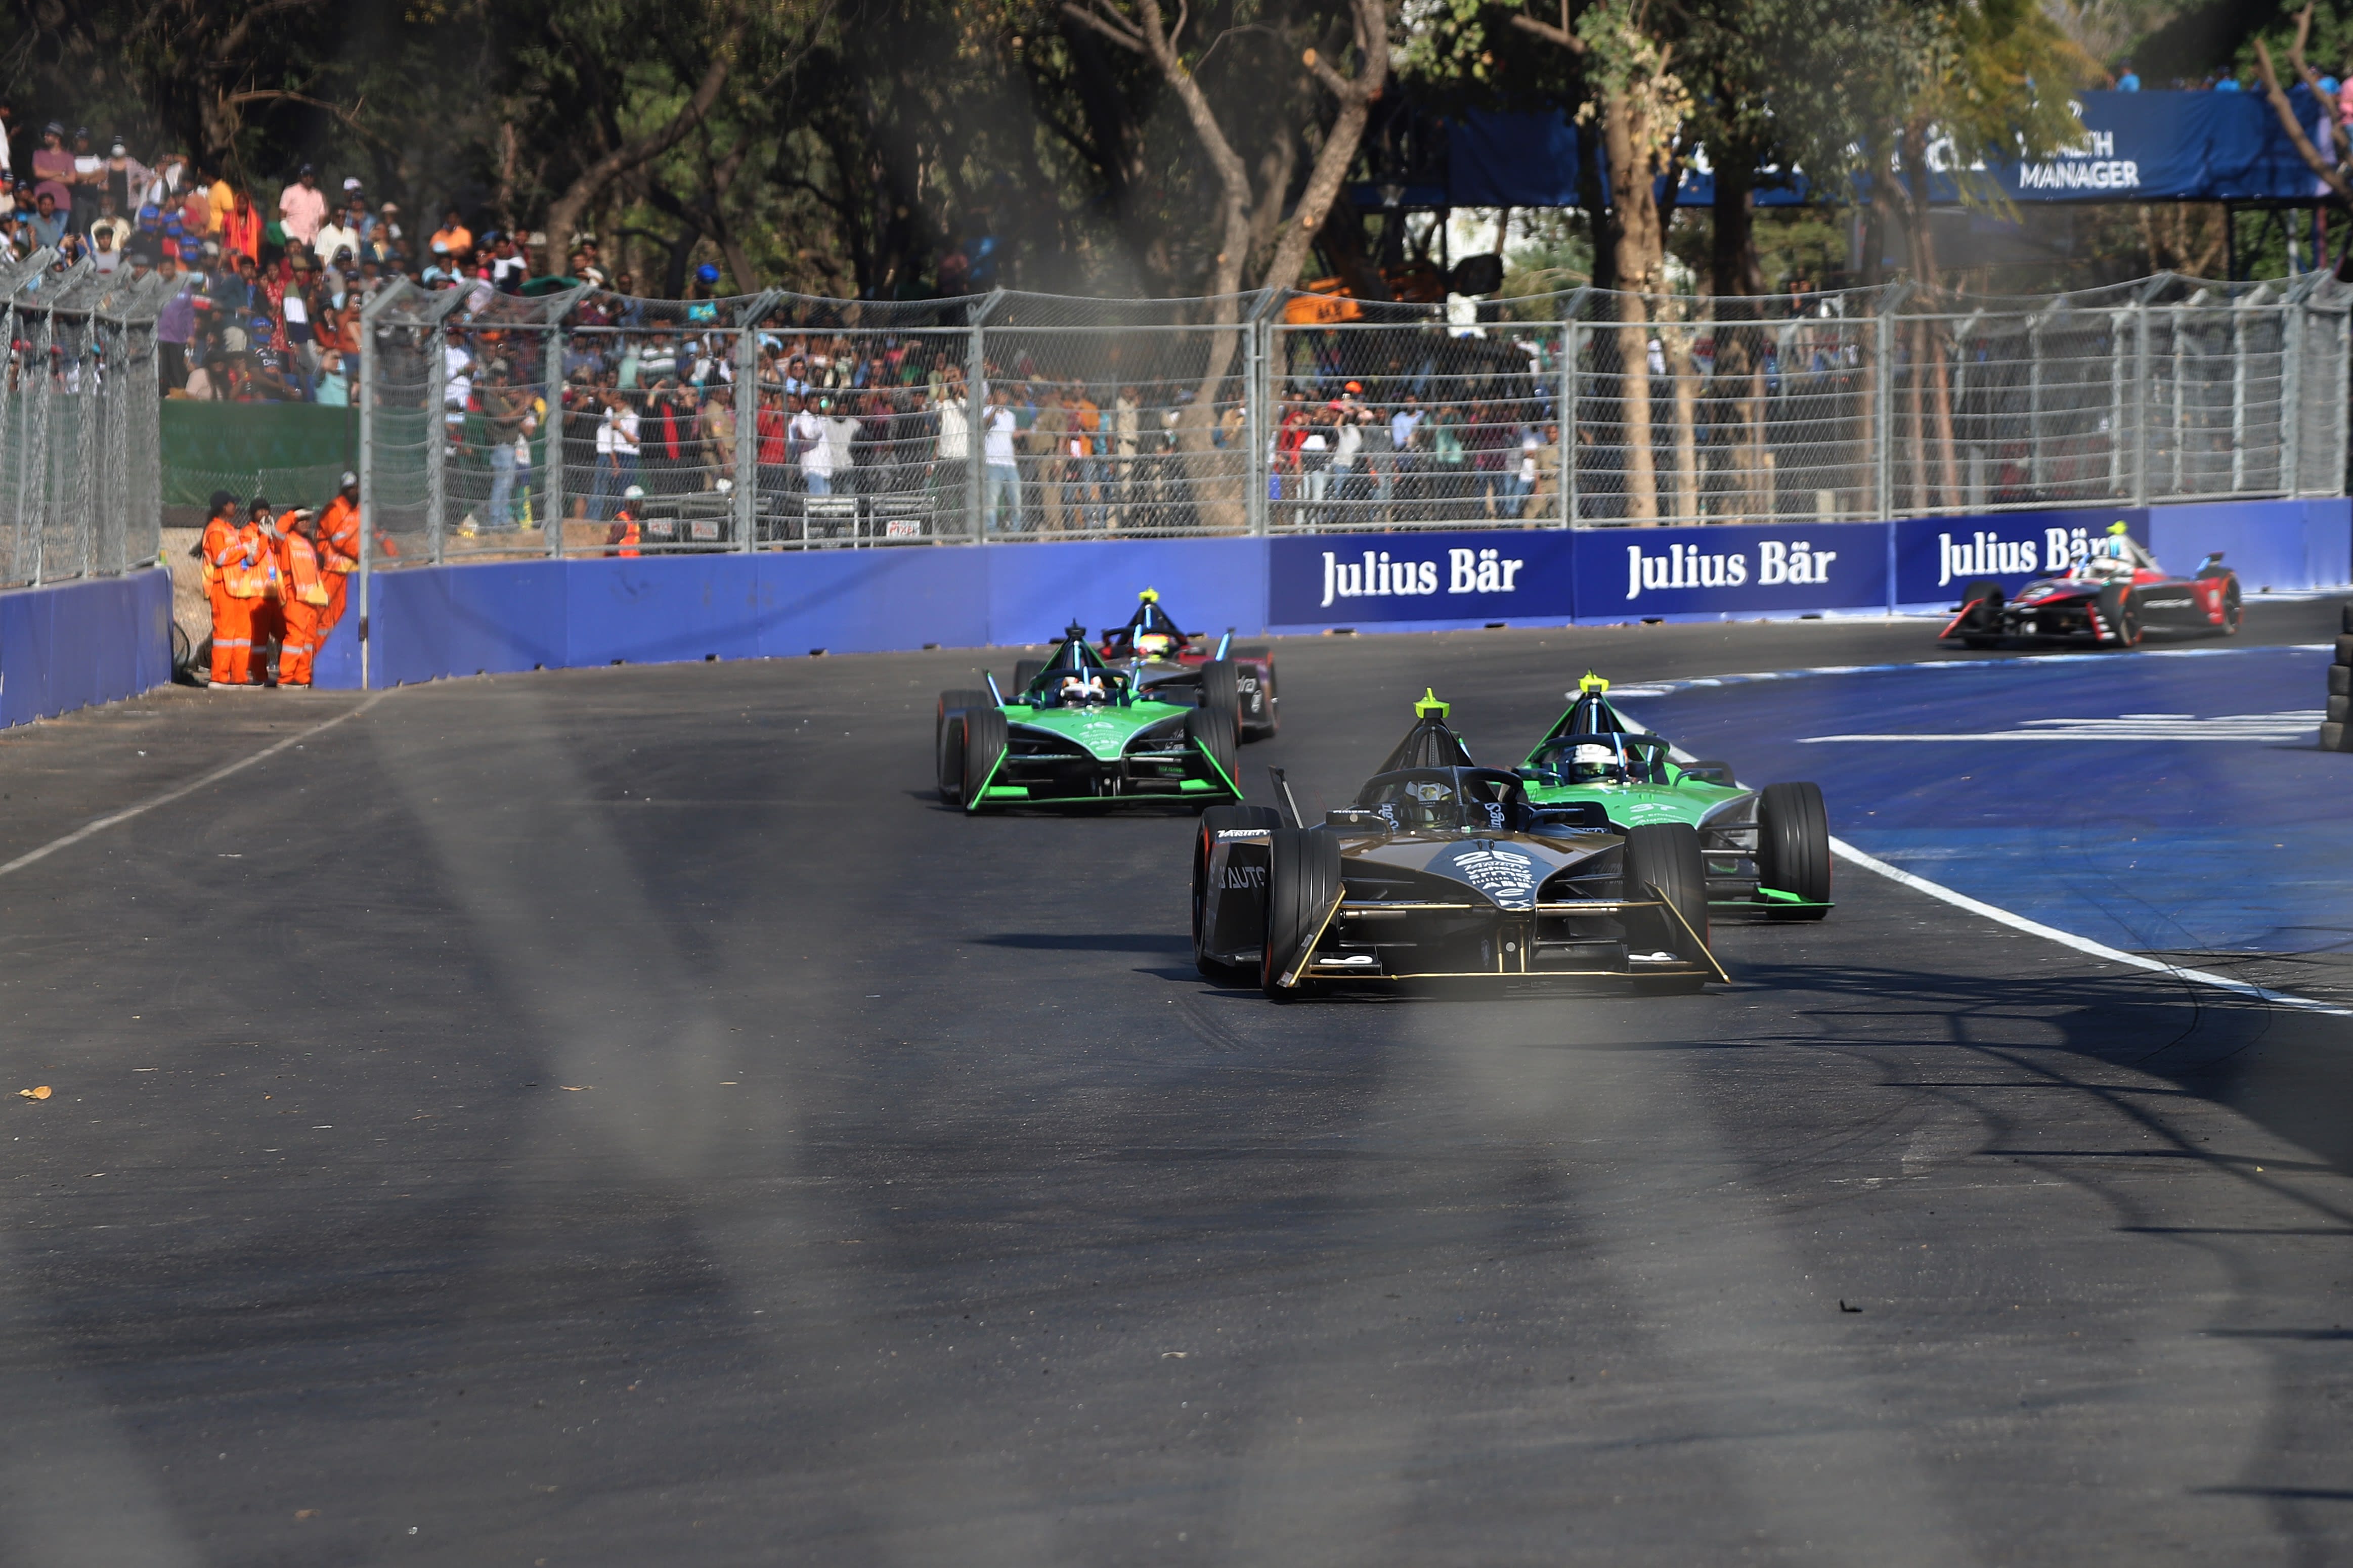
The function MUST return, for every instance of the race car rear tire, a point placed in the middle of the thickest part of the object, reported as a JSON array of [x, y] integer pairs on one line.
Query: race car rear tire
[[1212, 730], [1218, 819], [952, 777], [2121, 617], [2235, 609], [1024, 672], [1793, 846], [1666, 855], [1302, 882], [1221, 688], [984, 737]]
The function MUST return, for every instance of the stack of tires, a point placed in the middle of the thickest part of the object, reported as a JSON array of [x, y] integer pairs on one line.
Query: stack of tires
[[2335, 722]]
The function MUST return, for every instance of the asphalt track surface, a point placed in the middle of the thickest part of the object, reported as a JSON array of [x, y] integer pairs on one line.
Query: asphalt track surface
[[474, 1142]]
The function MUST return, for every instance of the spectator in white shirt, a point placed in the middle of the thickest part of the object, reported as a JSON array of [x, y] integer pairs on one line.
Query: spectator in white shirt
[[809, 439], [1001, 494]]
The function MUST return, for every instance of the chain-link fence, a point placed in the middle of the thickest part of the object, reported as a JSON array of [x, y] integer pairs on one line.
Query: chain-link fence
[[80, 467], [586, 422]]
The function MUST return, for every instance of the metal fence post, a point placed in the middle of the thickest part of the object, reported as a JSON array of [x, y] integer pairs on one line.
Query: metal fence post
[[1572, 345], [552, 459], [367, 399], [975, 426], [747, 434], [2340, 404], [1883, 397], [2292, 394], [1258, 348], [437, 436], [2140, 402]]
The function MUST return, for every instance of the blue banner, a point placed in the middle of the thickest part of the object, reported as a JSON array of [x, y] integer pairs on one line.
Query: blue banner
[[1353, 579], [2136, 147], [1625, 573], [1936, 557]]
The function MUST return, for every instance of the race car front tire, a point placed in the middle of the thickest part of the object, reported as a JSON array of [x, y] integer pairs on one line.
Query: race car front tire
[[982, 737], [2121, 617], [951, 777], [1665, 856], [1302, 883], [1793, 846], [1983, 628], [1211, 730], [1024, 672], [1218, 819]]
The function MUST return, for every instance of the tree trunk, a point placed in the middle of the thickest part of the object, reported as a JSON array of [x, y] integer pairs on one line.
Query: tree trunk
[[1636, 243], [564, 213]]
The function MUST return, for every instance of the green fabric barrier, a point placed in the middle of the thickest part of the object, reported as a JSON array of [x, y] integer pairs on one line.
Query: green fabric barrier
[[294, 450]]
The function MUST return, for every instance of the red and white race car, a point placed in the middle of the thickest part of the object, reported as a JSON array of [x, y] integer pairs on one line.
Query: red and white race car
[[2108, 597]]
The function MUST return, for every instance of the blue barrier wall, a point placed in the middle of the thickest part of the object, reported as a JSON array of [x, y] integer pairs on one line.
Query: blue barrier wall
[[460, 620], [82, 643]]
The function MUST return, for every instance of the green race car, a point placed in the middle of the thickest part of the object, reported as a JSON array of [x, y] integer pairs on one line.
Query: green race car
[[1765, 849], [1079, 730]]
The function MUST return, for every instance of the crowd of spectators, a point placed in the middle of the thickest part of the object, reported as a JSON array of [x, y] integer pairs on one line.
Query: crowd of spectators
[[266, 297]]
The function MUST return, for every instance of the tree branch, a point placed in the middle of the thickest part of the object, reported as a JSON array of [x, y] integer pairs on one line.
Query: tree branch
[[2338, 142], [1124, 33], [1548, 33], [2330, 175]]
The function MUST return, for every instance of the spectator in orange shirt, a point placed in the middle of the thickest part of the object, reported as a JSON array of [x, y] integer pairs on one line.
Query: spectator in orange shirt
[[452, 241], [241, 228]]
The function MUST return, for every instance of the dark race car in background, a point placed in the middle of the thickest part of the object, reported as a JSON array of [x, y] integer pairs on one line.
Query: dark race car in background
[[2107, 598], [1173, 664]]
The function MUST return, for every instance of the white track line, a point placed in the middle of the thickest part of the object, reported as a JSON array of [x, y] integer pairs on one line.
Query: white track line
[[168, 796], [1846, 851]]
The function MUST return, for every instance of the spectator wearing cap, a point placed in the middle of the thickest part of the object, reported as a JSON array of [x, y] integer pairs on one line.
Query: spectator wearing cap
[[146, 242], [53, 167], [453, 242], [302, 206]]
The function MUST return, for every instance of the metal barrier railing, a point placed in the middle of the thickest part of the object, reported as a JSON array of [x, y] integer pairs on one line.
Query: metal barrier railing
[[81, 480], [497, 425]]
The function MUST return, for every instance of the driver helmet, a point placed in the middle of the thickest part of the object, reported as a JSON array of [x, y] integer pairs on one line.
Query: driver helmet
[[1083, 689], [1592, 760], [1153, 643]]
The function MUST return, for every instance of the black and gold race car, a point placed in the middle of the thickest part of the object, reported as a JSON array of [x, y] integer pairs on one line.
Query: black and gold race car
[[1441, 869]]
